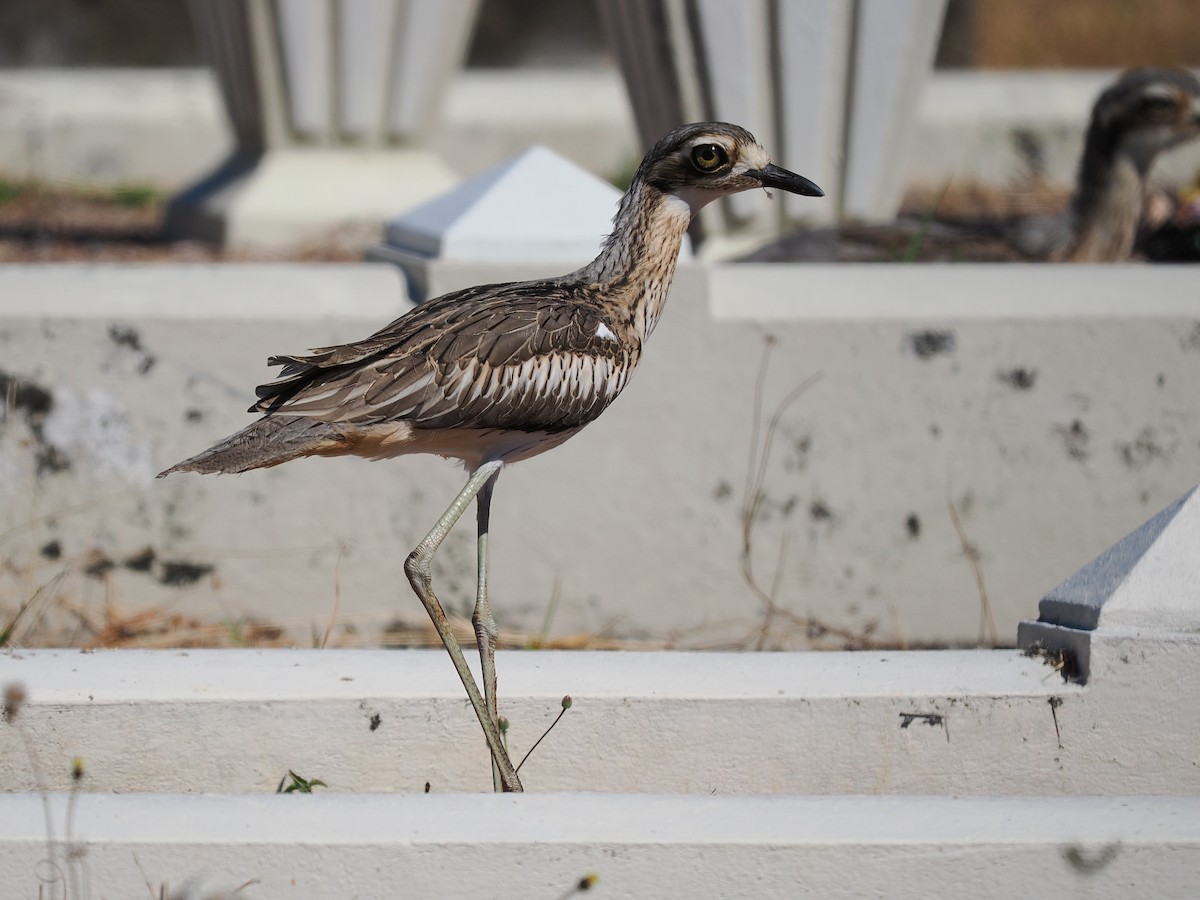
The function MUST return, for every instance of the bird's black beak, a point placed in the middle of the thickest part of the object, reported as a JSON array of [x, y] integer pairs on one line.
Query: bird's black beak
[[773, 176]]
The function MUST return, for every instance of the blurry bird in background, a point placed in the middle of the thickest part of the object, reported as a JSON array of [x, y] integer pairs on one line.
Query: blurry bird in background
[[1145, 112]]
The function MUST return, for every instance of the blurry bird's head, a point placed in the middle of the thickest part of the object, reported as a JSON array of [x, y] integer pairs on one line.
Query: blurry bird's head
[[1145, 112]]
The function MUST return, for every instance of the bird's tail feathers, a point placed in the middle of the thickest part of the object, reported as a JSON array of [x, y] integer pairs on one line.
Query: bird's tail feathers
[[268, 442]]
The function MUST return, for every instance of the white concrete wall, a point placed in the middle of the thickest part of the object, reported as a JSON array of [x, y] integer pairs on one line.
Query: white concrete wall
[[103, 127], [1053, 406]]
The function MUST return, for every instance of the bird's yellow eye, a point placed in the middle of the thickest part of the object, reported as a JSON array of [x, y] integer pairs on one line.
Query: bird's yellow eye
[[1157, 103], [707, 157]]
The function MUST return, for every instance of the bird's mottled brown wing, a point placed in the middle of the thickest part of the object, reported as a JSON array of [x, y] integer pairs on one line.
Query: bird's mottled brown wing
[[529, 357]]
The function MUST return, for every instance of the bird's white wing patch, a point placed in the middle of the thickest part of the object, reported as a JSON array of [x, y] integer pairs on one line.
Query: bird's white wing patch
[[604, 332]]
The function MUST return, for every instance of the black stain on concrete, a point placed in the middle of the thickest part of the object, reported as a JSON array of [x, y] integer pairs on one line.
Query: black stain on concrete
[[33, 403], [29, 399], [819, 511], [376, 721], [98, 565], [172, 573], [799, 449], [930, 343], [1075, 439], [1148, 445], [1191, 341], [933, 720], [193, 415], [140, 561], [930, 719], [180, 573], [49, 460], [1089, 862], [1019, 378], [126, 336], [913, 525]]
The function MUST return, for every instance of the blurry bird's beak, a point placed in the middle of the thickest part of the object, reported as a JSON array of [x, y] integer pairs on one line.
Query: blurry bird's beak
[[773, 176]]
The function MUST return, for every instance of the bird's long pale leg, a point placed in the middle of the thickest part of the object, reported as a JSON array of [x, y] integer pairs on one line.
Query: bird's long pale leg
[[485, 625], [418, 568]]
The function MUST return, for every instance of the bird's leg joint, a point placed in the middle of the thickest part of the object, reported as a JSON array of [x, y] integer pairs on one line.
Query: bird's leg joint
[[485, 623], [419, 572]]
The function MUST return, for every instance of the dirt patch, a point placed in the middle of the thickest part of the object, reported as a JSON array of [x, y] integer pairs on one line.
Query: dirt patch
[[44, 224]]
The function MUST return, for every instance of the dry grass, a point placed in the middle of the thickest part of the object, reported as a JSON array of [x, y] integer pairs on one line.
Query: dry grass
[[423, 635], [52, 619], [53, 616], [44, 223], [978, 202]]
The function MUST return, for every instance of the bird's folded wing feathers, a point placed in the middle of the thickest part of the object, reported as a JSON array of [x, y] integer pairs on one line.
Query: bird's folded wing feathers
[[494, 363]]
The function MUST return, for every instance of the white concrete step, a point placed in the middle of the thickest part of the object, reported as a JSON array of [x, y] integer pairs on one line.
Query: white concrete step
[[942, 722], [541, 846]]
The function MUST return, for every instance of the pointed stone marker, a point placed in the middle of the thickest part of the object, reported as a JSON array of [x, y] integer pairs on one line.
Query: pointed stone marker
[[537, 208], [1148, 579], [1148, 583], [537, 205]]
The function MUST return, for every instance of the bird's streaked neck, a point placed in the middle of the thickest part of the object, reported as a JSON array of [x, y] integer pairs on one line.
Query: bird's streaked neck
[[1107, 204], [641, 252]]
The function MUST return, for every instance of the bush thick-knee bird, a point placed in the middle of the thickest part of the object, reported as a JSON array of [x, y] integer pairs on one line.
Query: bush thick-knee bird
[[495, 374]]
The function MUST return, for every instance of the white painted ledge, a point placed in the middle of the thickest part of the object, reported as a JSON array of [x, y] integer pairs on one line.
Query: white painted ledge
[[204, 291], [942, 722], [154, 676], [329, 846], [997, 292]]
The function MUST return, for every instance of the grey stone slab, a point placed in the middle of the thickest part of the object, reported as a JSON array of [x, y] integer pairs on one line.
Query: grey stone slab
[[1150, 579]]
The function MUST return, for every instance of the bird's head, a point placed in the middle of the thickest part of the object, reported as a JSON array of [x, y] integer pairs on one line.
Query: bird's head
[[699, 163], [1146, 111]]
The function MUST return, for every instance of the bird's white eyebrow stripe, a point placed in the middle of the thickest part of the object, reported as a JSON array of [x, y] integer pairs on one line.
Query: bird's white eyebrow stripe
[[603, 331]]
